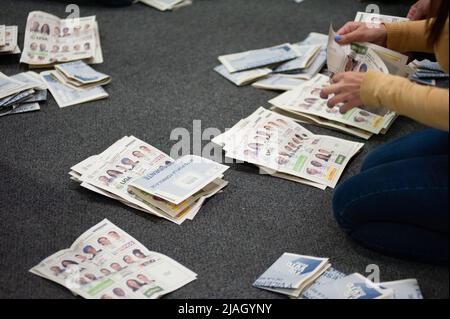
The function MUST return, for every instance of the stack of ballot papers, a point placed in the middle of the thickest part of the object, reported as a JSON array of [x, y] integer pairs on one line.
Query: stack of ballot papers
[[304, 104], [305, 277], [286, 62], [277, 68], [107, 263], [8, 40], [21, 93], [75, 82], [165, 5], [283, 148], [142, 177], [50, 40], [427, 72], [291, 274], [80, 75]]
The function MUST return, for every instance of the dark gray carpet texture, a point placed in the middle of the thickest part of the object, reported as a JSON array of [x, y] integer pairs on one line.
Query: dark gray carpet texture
[[161, 65]]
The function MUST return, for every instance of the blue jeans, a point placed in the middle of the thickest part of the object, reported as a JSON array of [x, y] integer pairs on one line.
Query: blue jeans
[[398, 203]]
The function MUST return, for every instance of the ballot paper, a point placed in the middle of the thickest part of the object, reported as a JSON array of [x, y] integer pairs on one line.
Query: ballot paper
[[404, 289], [258, 58], [66, 95], [277, 82], [21, 108], [49, 40], [243, 77], [401, 289], [305, 98], [79, 73], [291, 273], [105, 262], [306, 55], [165, 5], [21, 92], [355, 57], [354, 286], [113, 172], [179, 180], [2, 35], [10, 43], [318, 61], [9, 86], [279, 144], [329, 276], [375, 18]]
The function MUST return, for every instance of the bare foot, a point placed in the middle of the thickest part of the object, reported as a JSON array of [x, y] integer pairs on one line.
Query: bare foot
[[419, 10]]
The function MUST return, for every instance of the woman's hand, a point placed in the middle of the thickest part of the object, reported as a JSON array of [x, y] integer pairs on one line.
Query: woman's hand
[[346, 88], [362, 32]]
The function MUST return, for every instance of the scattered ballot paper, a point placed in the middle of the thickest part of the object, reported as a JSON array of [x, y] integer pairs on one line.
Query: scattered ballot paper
[[316, 279], [404, 289], [291, 273], [243, 77], [21, 93], [113, 173], [258, 58], [50, 40], [80, 74], [9, 36], [107, 263], [67, 95], [277, 83], [306, 55], [354, 286]]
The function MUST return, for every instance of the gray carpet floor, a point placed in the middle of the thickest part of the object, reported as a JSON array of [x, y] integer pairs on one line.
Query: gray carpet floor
[[163, 78]]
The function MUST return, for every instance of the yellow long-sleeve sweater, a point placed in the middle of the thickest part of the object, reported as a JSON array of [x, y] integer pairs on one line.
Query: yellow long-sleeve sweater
[[424, 104]]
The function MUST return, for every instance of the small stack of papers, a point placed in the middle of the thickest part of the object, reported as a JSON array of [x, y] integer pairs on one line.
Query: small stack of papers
[[291, 274], [427, 72], [8, 40], [141, 176], [165, 5], [75, 83], [81, 75], [283, 148], [50, 40], [21, 93], [296, 61], [107, 263], [305, 277]]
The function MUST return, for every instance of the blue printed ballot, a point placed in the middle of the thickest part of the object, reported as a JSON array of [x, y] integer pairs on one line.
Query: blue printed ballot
[[81, 73], [354, 286], [404, 289], [66, 95], [258, 58], [292, 272], [179, 180], [329, 276]]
